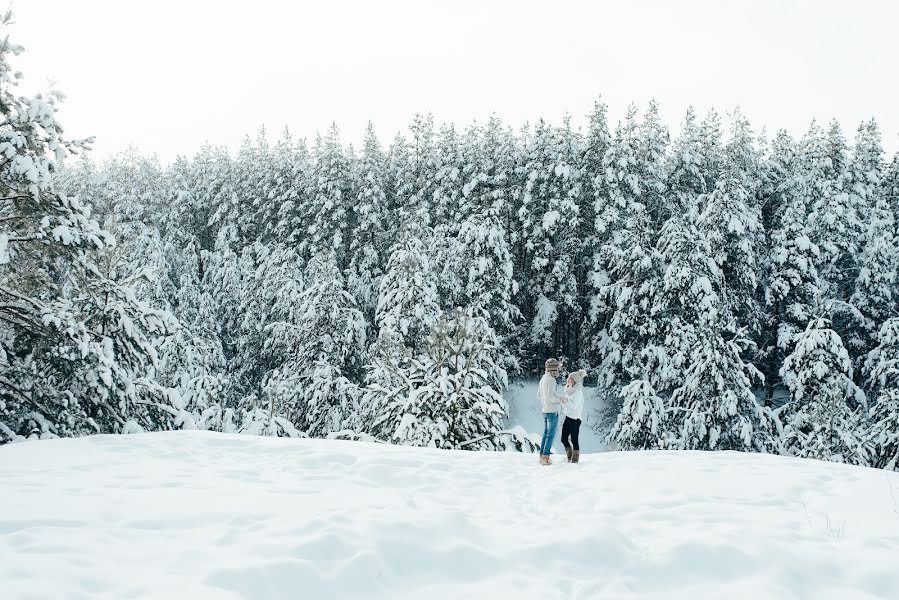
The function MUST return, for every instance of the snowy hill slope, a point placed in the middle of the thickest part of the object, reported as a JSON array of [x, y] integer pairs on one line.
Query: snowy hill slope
[[203, 515]]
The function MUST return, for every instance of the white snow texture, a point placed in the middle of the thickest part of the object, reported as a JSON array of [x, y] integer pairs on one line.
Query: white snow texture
[[208, 515]]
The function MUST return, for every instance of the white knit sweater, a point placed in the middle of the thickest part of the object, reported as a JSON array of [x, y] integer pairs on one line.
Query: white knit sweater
[[548, 394], [575, 406]]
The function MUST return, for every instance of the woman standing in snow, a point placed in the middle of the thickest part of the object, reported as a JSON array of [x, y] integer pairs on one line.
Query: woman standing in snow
[[574, 391]]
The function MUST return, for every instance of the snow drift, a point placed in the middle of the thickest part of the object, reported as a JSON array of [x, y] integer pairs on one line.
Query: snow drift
[[205, 515]]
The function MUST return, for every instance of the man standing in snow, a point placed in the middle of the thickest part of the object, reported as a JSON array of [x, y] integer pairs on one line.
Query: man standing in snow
[[550, 400]]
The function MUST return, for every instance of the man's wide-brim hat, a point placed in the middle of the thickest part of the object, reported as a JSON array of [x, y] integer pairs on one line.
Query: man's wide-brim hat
[[552, 365]]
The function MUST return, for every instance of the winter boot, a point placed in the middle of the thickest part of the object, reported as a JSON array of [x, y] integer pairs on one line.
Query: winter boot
[[568, 452], [542, 461], [575, 456]]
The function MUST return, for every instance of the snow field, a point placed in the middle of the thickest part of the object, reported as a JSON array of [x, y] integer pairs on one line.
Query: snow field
[[198, 514]]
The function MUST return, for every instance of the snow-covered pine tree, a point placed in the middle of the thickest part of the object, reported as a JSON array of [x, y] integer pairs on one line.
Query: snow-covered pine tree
[[874, 297], [485, 217], [74, 347], [876, 294], [114, 335], [224, 278], [653, 147], [321, 337], [482, 260], [865, 171], [448, 181], [399, 183], [779, 181], [292, 193], [686, 168], [627, 268], [685, 252], [182, 266], [835, 224], [597, 142], [456, 394], [408, 306], [331, 199], [890, 186], [422, 170], [388, 383], [718, 410], [271, 284], [490, 157], [712, 146], [369, 245], [139, 262], [644, 421], [200, 194], [129, 195], [249, 291], [282, 189], [407, 297], [454, 200], [140, 257], [837, 152], [192, 364], [223, 187], [714, 406], [332, 327], [824, 418], [781, 188], [793, 290], [549, 218], [233, 281], [882, 380], [245, 195], [689, 297], [731, 219]]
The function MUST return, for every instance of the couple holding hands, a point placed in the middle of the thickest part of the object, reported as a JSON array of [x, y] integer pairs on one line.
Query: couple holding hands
[[572, 405]]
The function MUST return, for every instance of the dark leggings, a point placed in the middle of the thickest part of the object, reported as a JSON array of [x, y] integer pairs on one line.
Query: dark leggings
[[571, 427]]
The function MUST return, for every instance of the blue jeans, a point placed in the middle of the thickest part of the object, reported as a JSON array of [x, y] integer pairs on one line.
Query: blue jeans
[[550, 423]]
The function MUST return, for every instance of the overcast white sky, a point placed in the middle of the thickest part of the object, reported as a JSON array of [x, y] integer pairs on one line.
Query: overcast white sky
[[168, 75]]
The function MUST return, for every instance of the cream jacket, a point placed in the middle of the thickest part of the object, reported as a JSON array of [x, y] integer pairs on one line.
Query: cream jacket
[[548, 393]]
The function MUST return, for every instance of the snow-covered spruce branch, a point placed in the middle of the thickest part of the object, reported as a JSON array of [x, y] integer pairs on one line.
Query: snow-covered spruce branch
[[486, 437], [512, 434]]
